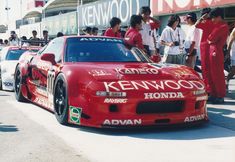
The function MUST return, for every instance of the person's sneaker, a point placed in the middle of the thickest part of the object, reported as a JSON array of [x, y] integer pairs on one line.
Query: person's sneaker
[[218, 101]]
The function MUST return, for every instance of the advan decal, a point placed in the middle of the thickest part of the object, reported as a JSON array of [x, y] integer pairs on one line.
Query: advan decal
[[194, 118], [123, 122]]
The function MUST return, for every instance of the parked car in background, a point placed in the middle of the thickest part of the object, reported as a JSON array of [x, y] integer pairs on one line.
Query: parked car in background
[[9, 59]]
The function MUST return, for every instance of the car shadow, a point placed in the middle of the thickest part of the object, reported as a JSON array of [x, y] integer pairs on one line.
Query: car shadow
[[227, 103], [221, 117], [8, 128]]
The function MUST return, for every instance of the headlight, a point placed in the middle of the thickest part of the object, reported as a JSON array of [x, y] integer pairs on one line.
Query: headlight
[[199, 92], [110, 94]]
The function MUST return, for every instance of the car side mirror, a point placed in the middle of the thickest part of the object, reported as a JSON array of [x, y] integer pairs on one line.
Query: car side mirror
[[49, 57]]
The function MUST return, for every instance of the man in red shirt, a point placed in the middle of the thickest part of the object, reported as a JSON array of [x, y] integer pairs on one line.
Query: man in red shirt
[[206, 24], [133, 36], [216, 41], [114, 30]]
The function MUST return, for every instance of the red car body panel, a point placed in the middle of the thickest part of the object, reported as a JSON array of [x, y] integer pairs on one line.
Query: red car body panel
[[156, 94]]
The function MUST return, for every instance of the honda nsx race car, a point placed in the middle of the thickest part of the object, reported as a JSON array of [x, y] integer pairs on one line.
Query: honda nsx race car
[[99, 82], [9, 59]]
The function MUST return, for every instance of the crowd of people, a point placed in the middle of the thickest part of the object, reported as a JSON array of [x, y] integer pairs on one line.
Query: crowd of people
[[34, 40], [205, 38]]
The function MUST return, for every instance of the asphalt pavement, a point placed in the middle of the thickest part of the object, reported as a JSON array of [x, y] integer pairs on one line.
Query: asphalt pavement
[[25, 140], [29, 133]]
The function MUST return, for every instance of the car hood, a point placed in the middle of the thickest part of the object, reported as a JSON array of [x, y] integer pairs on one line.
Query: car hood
[[132, 71]]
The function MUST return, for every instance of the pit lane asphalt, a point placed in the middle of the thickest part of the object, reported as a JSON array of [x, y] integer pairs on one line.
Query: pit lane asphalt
[[30, 133]]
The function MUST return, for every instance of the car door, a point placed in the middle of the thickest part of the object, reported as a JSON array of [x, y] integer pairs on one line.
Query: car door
[[43, 67]]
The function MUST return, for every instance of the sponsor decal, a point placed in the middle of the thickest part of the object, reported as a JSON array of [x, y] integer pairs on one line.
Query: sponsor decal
[[194, 118], [50, 81], [43, 102], [41, 91], [99, 73], [100, 12], [202, 98], [75, 114], [115, 100], [173, 6], [100, 40], [156, 85], [44, 65], [8, 84], [137, 71], [123, 122], [160, 95]]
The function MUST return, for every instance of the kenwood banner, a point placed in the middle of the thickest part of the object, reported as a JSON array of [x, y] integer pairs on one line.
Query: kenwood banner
[[160, 7], [99, 13]]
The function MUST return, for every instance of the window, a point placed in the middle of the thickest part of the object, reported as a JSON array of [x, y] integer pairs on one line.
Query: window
[[55, 47], [99, 50], [14, 54]]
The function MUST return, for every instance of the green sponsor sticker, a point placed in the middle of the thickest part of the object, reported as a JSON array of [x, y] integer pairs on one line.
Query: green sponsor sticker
[[75, 114]]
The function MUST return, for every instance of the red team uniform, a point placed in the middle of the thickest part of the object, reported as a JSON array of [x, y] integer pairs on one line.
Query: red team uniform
[[134, 38], [217, 40], [109, 33], [207, 27]]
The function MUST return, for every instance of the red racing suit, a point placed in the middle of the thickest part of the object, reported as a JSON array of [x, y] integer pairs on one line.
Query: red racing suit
[[207, 27], [217, 40], [109, 33], [134, 38]]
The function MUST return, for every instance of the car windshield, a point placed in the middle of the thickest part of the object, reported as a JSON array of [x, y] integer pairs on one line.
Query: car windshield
[[101, 49], [14, 54]]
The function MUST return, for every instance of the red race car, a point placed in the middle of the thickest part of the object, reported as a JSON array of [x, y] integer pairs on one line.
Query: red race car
[[99, 82]]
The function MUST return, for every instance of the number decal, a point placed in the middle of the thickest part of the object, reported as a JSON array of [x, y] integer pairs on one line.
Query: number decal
[[50, 81]]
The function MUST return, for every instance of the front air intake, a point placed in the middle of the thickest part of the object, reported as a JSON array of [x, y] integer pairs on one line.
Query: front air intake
[[160, 107]]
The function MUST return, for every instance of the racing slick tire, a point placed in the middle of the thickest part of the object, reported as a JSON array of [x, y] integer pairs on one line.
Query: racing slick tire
[[61, 100], [18, 86]]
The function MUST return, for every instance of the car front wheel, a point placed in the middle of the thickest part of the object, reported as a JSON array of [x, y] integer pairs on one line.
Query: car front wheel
[[18, 86], [61, 100]]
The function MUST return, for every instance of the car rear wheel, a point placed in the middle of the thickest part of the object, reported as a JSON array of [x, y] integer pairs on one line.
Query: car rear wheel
[[18, 79], [61, 100]]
